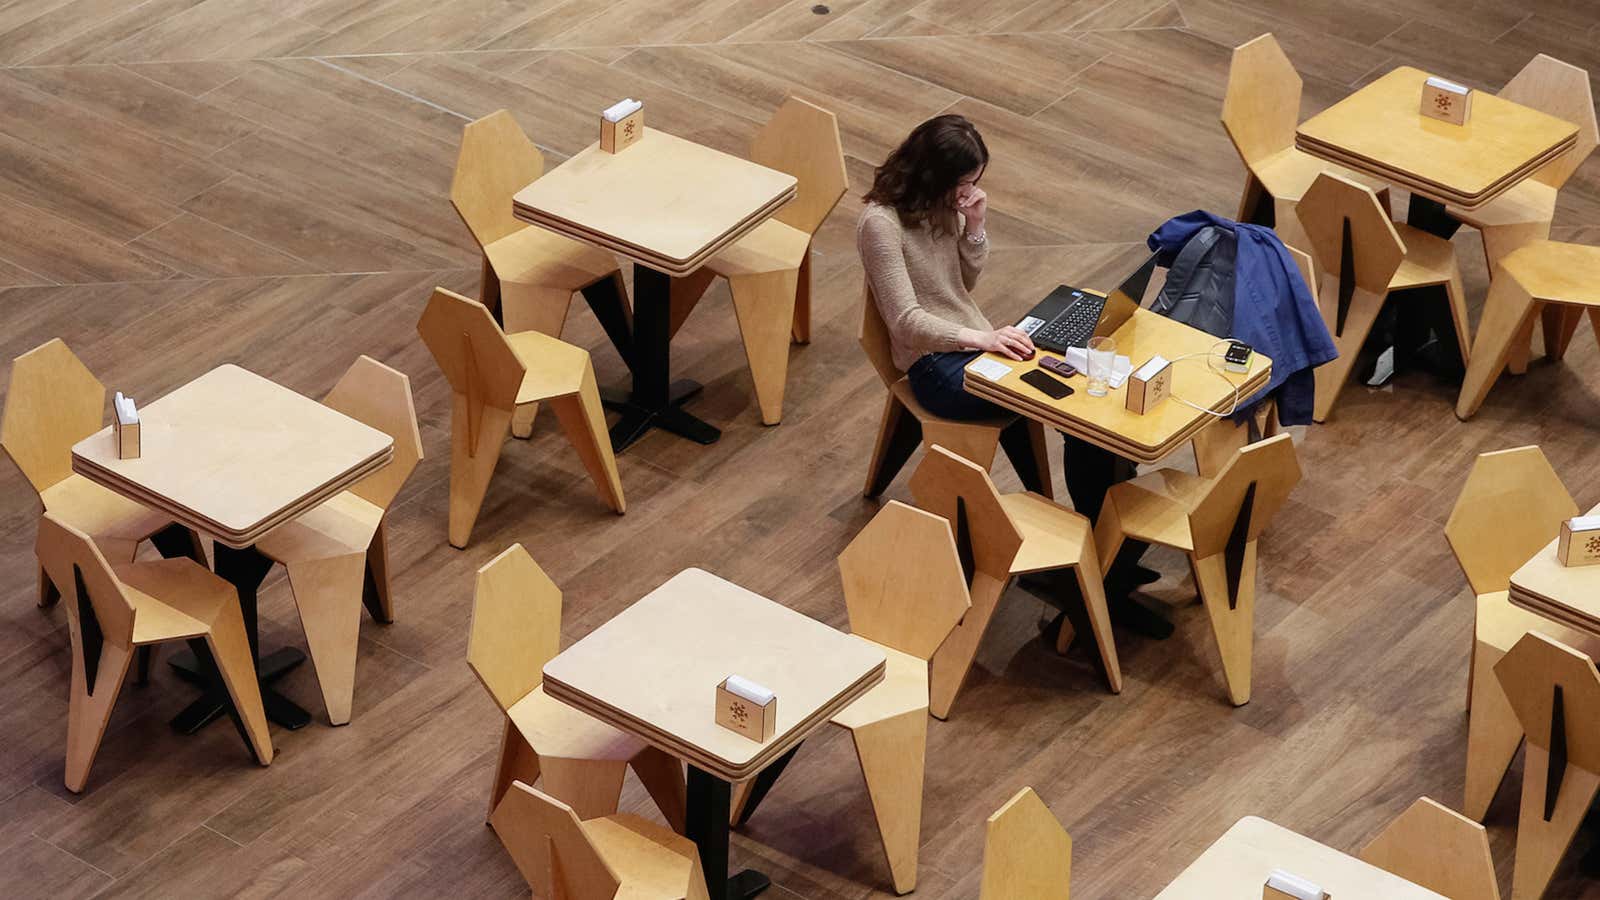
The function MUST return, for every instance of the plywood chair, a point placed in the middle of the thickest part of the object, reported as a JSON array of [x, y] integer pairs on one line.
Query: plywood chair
[[1218, 522], [904, 592], [1000, 536], [492, 374], [336, 554], [113, 609], [1364, 258], [565, 858], [1548, 275], [906, 424], [769, 269], [1438, 848], [1510, 507], [1555, 691], [53, 402], [1524, 212], [1027, 855], [515, 630]]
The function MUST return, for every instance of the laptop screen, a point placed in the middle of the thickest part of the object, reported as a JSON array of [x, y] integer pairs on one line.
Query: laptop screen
[[1121, 302]]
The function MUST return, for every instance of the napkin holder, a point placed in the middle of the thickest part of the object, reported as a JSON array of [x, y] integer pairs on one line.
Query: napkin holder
[[1149, 384], [1281, 885], [1446, 101], [125, 429], [618, 136], [1579, 544], [744, 715]]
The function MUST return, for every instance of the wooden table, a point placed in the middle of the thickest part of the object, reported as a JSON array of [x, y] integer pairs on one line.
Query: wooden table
[[1566, 594], [653, 671], [668, 205], [1105, 421], [233, 455], [1236, 866]]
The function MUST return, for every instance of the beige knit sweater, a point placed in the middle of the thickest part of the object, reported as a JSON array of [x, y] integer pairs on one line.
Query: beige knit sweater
[[921, 283]]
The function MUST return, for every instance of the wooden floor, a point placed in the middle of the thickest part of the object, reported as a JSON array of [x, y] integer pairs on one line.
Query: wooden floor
[[190, 182]]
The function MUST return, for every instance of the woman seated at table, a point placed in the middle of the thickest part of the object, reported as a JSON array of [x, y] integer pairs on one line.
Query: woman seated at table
[[923, 245]]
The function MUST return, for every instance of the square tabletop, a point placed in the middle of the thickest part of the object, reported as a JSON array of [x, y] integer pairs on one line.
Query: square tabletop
[[664, 201], [234, 455], [1236, 867], [1106, 421], [1568, 594], [1380, 130], [654, 670]]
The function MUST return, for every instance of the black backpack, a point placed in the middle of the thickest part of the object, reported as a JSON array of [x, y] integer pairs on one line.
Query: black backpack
[[1199, 287]]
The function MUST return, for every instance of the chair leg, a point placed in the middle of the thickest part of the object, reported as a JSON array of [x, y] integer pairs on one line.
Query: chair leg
[[48, 595], [892, 753], [1331, 376], [1540, 843], [518, 762], [1232, 621], [802, 301], [470, 471], [88, 714], [1498, 240], [328, 594], [584, 420], [375, 594], [684, 295], [953, 660], [1092, 586], [662, 776], [1560, 324], [141, 666], [898, 435], [489, 290], [592, 787], [1108, 538], [1507, 314], [1024, 444], [1456, 294], [236, 665], [1493, 733], [764, 305], [522, 419]]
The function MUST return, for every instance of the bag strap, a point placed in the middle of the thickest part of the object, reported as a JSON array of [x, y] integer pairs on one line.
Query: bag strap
[[1182, 270]]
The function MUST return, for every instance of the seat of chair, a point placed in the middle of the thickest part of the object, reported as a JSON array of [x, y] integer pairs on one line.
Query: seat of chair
[[904, 689], [1429, 259], [1500, 624], [645, 857], [554, 367], [1289, 172], [1527, 201], [902, 391], [101, 512], [172, 598], [1155, 507], [555, 729], [343, 524], [771, 246], [534, 255], [1557, 272], [1052, 535]]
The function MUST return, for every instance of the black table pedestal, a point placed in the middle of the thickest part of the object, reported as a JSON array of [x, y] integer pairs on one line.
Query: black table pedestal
[[709, 806]]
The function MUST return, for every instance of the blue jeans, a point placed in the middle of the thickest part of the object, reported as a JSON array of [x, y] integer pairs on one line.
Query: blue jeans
[[936, 380]]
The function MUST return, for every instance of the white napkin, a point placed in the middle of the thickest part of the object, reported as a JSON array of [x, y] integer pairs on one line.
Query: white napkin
[[992, 369], [749, 690], [622, 109], [127, 412], [1584, 523], [1293, 885]]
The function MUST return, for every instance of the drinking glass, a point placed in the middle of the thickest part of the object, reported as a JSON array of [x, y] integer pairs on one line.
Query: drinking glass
[[1102, 353]]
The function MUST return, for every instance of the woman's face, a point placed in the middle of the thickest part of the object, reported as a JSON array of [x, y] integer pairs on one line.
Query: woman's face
[[965, 186]]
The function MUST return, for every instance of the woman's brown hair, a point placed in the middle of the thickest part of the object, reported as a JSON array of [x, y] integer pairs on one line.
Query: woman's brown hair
[[917, 178]]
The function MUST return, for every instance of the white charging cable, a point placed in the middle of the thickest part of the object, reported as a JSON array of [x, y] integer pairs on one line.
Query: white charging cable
[[1211, 357]]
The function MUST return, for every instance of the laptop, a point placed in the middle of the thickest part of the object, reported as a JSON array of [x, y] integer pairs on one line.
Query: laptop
[[1068, 317]]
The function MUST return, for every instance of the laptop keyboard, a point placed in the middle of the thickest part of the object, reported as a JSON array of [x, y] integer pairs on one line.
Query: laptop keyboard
[[1072, 327]]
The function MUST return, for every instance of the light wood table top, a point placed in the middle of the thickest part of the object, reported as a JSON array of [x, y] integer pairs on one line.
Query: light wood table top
[[1567, 594], [665, 202], [1236, 866], [1379, 130], [234, 455], [654, 669], [1105, 421]]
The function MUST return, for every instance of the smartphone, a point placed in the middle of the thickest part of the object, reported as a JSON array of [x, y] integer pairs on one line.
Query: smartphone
[[1059, 366], [1052, 387]]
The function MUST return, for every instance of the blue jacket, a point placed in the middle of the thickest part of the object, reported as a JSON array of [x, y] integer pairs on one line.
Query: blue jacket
[[1272, 309]]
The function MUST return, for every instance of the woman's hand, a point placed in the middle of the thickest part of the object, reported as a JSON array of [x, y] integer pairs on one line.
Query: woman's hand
[[1009, 341], [973, 204]]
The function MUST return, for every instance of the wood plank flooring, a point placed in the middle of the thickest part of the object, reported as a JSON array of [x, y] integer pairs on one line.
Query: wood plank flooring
[[190, 182]]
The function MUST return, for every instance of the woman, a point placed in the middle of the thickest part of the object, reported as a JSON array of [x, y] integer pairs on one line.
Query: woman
[[923, 245]]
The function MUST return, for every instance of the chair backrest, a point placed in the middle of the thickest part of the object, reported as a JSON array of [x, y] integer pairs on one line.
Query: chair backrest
[[516, 625], [987, 539], [1261, 107], [1438, 848], [903, 586], [471, 349], [875, 339], [1244, 496], [1352, 237], [550, 847], [1555, 692], [803, 140], [1511, 506], [53, 402], [376, 395], [1562, 90], [496, 161], [92, 591], [1027, 855]]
